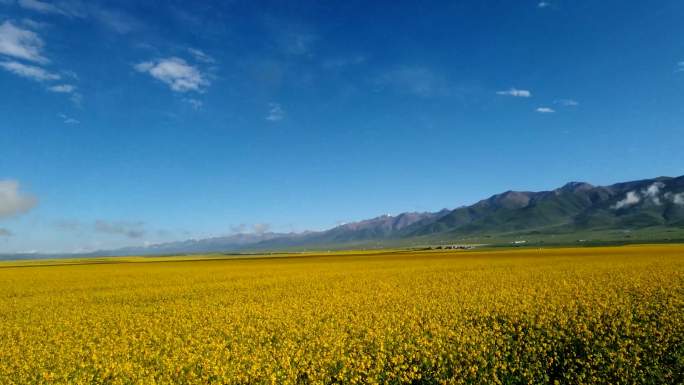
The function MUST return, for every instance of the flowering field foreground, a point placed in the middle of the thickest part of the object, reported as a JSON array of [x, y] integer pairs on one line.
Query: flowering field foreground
[[570, 316]]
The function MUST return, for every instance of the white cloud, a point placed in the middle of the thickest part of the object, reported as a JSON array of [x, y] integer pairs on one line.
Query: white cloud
[[543, 4], [43, 7], [33, 24], [194, 103], [296, 43], [176, 73], [76, 98], [28, 71], [24, 44], [200, 56], [678, 199], [680, 67], [275, 112], [116, 21], [630, 199], [652, 192], [343, 62], [62, 88], [516, 93], [127, 229], [20, 43], [261, 228], [545, 110], [567, 102], [12, 201], [67, 119]]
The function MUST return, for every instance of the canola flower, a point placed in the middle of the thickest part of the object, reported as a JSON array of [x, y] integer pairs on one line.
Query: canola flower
[[555, 316]]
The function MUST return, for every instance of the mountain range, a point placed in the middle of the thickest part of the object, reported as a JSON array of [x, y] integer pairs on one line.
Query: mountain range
[[642, 210], [638, 207]]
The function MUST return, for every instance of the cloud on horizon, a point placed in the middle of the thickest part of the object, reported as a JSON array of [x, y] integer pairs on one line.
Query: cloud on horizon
[[126, 229], [261, 228], [257, 228], [13, 201]]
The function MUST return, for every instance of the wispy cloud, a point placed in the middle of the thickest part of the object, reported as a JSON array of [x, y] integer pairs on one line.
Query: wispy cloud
[[68, 225], [21, 43], [418, 81], [68, 120], [62, 88], [238, 229], [134, 230], [113, 20], [545, 110], [343, 62], [13, 201], [29, 71], [5, 233], [275, 112], [201, 56], [116, 21], [567, 102], [296, 43], [680, 67], [515, 93], [176, 73], [126, 229], [257, 228], [59, 8], [30, 23], [261, 228], [543, 4], [196, 104]]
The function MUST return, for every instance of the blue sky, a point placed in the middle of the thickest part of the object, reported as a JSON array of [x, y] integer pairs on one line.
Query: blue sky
[[126, 123]]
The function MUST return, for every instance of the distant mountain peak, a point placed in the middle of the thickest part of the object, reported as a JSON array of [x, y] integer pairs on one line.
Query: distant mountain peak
[[576, 187]]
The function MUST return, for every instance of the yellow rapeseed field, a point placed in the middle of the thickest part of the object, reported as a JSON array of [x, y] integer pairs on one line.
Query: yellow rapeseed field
[[611, 315]]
